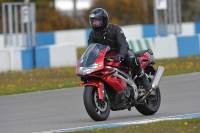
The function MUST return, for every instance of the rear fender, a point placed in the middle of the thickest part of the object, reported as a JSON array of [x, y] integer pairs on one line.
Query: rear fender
[[99, 85]]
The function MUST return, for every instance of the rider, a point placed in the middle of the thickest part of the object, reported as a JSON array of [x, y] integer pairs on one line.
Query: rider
[[112, 35]]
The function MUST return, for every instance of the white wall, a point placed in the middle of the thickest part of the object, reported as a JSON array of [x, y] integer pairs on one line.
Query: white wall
[[77, 36], [5, 60], [162, 47], [17, 59], [18, 37], [134, 44], [188, 28], [63, 55], [21, 40], [1, 41], [165, 47], [10, 60], [132, 31]]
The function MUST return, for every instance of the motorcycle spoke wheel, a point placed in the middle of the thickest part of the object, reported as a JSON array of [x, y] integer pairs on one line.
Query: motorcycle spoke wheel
[[151, 104], [152, 100], [101, 105], [97, 109]]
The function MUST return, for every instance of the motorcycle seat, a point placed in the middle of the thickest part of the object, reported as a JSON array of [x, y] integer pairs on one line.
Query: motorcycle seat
[[141, 52]]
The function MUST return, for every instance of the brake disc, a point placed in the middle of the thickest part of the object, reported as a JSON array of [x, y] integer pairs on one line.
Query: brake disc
[[100, 104]]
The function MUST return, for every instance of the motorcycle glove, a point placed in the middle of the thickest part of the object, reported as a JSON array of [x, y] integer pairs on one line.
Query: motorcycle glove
[[118, 58]]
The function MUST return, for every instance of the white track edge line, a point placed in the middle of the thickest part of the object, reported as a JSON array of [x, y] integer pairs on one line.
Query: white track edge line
[[176, 117]]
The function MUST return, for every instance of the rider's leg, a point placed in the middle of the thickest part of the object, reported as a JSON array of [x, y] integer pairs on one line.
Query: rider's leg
[[134, 65]]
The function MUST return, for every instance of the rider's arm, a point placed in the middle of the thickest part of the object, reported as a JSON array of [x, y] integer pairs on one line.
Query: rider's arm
[[91, 38], [121, 39]]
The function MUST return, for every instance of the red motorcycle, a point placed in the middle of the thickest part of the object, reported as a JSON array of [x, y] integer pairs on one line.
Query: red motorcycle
[[112, 86]]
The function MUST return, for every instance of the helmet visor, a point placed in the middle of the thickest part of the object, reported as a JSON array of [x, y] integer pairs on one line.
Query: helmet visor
[[95, 22]]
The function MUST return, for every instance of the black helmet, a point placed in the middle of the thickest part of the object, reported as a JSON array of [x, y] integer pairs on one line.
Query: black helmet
[[98, 19]]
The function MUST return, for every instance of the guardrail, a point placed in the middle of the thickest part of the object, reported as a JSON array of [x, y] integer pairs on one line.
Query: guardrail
[[52, 50], [45, 56]]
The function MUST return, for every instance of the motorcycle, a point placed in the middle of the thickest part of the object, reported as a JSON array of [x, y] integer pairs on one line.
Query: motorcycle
[[110, 85]]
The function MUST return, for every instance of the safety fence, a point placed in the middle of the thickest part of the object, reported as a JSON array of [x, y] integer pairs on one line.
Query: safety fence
[[52, 50], [80, 36], [45, 56], [168, 47], [58, 55]]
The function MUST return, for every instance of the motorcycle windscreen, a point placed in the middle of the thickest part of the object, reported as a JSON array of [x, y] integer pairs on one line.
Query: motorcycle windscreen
[[92, 53]]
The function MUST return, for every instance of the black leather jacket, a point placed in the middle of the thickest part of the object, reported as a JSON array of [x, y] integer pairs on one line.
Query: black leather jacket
[[113, 37]]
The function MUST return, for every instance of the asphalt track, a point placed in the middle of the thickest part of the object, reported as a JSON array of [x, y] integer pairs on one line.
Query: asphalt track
[[62, 109]]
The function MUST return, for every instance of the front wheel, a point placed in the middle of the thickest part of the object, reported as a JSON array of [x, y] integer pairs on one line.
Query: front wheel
[[96, 108]]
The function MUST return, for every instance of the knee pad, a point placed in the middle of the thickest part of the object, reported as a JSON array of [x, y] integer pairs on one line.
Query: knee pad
[[134, 64]]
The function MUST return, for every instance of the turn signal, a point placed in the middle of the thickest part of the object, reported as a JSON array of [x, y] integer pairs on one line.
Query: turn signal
[[108, 78], [81, 84]]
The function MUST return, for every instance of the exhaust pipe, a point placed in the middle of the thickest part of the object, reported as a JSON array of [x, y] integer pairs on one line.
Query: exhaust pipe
[[156, 80], [157, 77]]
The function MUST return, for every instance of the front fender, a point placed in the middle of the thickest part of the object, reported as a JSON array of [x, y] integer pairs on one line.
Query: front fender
[[99, 85]]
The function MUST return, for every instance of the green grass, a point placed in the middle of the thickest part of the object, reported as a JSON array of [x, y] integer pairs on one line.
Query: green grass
[[14, 82], [180, 65], [175, 126], [80, 51]]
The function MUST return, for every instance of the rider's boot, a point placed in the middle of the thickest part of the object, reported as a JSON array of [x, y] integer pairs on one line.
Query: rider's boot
[[144, 81]]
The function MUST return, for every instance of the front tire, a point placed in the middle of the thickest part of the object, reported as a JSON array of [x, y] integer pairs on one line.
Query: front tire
[[97, 109]]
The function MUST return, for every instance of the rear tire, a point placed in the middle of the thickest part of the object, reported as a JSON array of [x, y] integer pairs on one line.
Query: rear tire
[[151, 104], [97, 109]]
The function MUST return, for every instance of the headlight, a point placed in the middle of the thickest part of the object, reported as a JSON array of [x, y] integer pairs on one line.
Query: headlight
[[87, 70]]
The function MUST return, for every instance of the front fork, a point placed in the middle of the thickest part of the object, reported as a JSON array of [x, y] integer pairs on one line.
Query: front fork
[[100, 87]]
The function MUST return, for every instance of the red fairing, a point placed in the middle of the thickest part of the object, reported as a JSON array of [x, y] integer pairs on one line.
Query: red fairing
[[145, 59], [104, 72], [112, 63], [117, 83], [92, 70]]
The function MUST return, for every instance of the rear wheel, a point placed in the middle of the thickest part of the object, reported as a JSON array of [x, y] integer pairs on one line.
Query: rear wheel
[[152, 102], [96, 108]]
